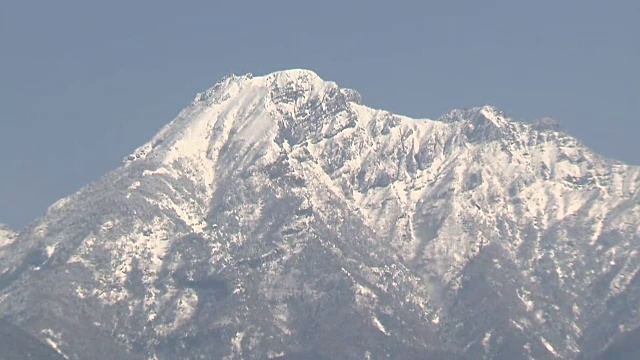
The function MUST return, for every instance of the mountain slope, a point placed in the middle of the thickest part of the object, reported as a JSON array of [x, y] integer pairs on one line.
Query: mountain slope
[[15, 344], [625, 347], [276, 216]]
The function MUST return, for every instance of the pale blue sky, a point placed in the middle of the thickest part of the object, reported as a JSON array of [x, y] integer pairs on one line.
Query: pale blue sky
[[82, 83]]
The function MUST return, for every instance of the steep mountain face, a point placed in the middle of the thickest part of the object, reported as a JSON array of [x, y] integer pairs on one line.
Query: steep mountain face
[[278, 217]]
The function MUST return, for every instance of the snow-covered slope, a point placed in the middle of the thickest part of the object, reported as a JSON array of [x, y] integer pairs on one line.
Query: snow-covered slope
[[7, 235], [277, 215]]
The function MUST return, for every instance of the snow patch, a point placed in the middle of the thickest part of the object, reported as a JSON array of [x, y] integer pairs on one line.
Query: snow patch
[[547, 345], [486, 341], [236, 342], [53, 339], [379, 325], [50, 250]]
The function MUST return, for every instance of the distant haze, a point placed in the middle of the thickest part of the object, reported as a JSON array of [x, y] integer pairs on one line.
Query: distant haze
[[83, 83]]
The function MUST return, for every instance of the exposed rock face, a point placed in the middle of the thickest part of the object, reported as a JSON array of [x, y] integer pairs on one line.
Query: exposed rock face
[[277, 217]]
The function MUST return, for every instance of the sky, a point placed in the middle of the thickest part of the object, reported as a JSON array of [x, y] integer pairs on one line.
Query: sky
[[83, 83]]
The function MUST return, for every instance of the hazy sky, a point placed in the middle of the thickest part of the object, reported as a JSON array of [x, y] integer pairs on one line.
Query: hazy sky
[[82, 83]]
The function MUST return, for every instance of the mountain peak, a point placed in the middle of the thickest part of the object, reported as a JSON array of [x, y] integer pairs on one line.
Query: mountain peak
[[473, 114], [277, 79], [489, 111], [294, 74], [479, 123]]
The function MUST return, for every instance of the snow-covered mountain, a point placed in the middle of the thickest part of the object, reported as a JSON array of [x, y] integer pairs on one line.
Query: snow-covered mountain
[[279, 217]]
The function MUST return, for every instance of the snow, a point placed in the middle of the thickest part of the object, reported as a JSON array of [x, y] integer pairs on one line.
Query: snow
[[365, 297], [108, 225], [135, 185], [55, 347], [53, 339], [189, 212], [236, 342], [194, 140], [281, 318], [184, 303], [379, 325], [160, 171], [425, 164], [59, 204], [50, 249], [523, 295], [486, 341], [551, 349], [7, 236]]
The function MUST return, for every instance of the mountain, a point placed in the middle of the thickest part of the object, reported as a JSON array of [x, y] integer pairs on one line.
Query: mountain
[[279, 217]]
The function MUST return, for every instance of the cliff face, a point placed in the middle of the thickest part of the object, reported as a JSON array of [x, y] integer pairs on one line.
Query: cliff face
[[276, 216]]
